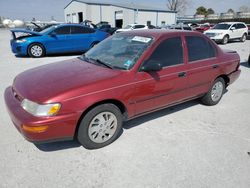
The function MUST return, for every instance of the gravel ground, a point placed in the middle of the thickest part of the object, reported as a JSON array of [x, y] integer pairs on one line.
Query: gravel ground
[[189, 145]]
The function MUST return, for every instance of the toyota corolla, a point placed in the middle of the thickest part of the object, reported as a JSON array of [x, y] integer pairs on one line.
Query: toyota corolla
[[127, 75]]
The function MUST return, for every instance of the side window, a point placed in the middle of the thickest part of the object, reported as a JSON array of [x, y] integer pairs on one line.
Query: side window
[[234, 25], [62, 30], [81, 30], [199, 48], [138, 26], [169, 52], [241, 26]]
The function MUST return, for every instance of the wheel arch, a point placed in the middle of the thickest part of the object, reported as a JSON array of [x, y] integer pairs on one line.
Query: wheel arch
[[225, 78], [116, 102], [31, 43]]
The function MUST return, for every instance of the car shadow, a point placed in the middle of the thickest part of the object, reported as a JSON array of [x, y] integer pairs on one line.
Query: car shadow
[[245, 64], [52, 55], [63, 145], [55, 146], [155, 115]]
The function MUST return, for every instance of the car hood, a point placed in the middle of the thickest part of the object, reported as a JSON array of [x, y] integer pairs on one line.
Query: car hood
[[25, 31], [216, 31], [32, 33], [120, 30], [45, 83]]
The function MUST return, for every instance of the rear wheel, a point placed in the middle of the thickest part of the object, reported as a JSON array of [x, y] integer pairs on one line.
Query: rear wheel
[[100, 126], [214, 95], [243, 38], [225, 39], [36, 50]]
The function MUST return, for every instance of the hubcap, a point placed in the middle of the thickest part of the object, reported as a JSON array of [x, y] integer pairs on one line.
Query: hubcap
[[244, 38], [102, 127], [217, 91], [36, 50], [225, 39]]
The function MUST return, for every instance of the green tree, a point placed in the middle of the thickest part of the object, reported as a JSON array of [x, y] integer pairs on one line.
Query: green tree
[[201, 11], [230, 11], [210, 11]]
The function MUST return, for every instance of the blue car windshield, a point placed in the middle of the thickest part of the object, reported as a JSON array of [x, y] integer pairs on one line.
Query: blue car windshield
[[47, 29], [120, 51]]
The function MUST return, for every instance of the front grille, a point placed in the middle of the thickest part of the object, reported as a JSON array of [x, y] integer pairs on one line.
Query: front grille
[[210, 34]]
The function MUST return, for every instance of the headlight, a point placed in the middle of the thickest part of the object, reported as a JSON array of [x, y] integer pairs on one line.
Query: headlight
[[216, 34], [20, 41], [40, 110]]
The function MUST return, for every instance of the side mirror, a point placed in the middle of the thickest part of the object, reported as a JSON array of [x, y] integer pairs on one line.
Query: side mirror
[[232, 28], [151, 66]]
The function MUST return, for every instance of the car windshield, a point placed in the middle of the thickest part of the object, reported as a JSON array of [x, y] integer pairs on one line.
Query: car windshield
[[120, 51], [47, 29], [128, 27], [222, 26]]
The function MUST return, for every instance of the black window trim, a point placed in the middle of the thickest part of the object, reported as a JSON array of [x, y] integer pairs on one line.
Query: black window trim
[[199, 60], [81, 27]]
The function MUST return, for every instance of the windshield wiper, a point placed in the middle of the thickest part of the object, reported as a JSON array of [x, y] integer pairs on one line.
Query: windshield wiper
[[102, 63], [93, 60]]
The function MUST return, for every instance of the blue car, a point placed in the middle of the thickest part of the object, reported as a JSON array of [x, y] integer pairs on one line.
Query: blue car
[[63, 38]]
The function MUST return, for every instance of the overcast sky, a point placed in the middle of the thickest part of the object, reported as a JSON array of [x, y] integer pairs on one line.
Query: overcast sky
[[44, 9]]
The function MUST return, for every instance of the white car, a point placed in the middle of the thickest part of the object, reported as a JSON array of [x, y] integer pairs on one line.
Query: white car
[[132, 27], [225, 31]]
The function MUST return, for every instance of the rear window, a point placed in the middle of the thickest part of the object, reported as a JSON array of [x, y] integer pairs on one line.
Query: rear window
[[199, 48], [81, 30]]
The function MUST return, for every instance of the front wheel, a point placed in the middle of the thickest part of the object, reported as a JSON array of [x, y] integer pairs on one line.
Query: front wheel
[[100, 126], [225, 39], [214, 95], [36, 50], [243, 38]]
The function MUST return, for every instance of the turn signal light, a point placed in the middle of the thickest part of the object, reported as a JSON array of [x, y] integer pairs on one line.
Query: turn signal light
[[36, 129]]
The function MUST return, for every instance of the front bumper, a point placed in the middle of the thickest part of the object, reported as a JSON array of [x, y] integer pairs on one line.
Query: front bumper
[[18, 48], [59, 126], [216, 38]]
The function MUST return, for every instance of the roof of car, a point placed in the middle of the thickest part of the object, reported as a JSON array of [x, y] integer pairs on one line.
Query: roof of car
[[71, 24], [230, 23], [157, 32]]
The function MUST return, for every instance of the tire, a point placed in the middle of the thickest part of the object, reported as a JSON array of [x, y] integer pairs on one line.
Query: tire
[[100, 126], [36, 50], [249, 60], [225, 39], [214, 95], [243, 38]]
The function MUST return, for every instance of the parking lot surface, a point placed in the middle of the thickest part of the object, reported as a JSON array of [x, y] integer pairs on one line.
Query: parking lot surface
[[189, 145]]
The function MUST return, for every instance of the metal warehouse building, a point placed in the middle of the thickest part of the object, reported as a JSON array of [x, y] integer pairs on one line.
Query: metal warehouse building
[[117, 14]]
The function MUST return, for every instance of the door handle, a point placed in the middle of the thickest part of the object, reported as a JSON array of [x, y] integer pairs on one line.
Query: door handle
[[215, 66], [182, 74]]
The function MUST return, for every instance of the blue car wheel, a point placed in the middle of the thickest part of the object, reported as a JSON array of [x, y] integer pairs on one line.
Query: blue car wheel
[[36, 50]]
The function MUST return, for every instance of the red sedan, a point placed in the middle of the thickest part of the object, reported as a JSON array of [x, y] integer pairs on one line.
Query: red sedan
[[203, 28], [127, 75]]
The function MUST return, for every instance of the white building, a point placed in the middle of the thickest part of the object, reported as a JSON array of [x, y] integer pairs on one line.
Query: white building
[[117, 14]]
